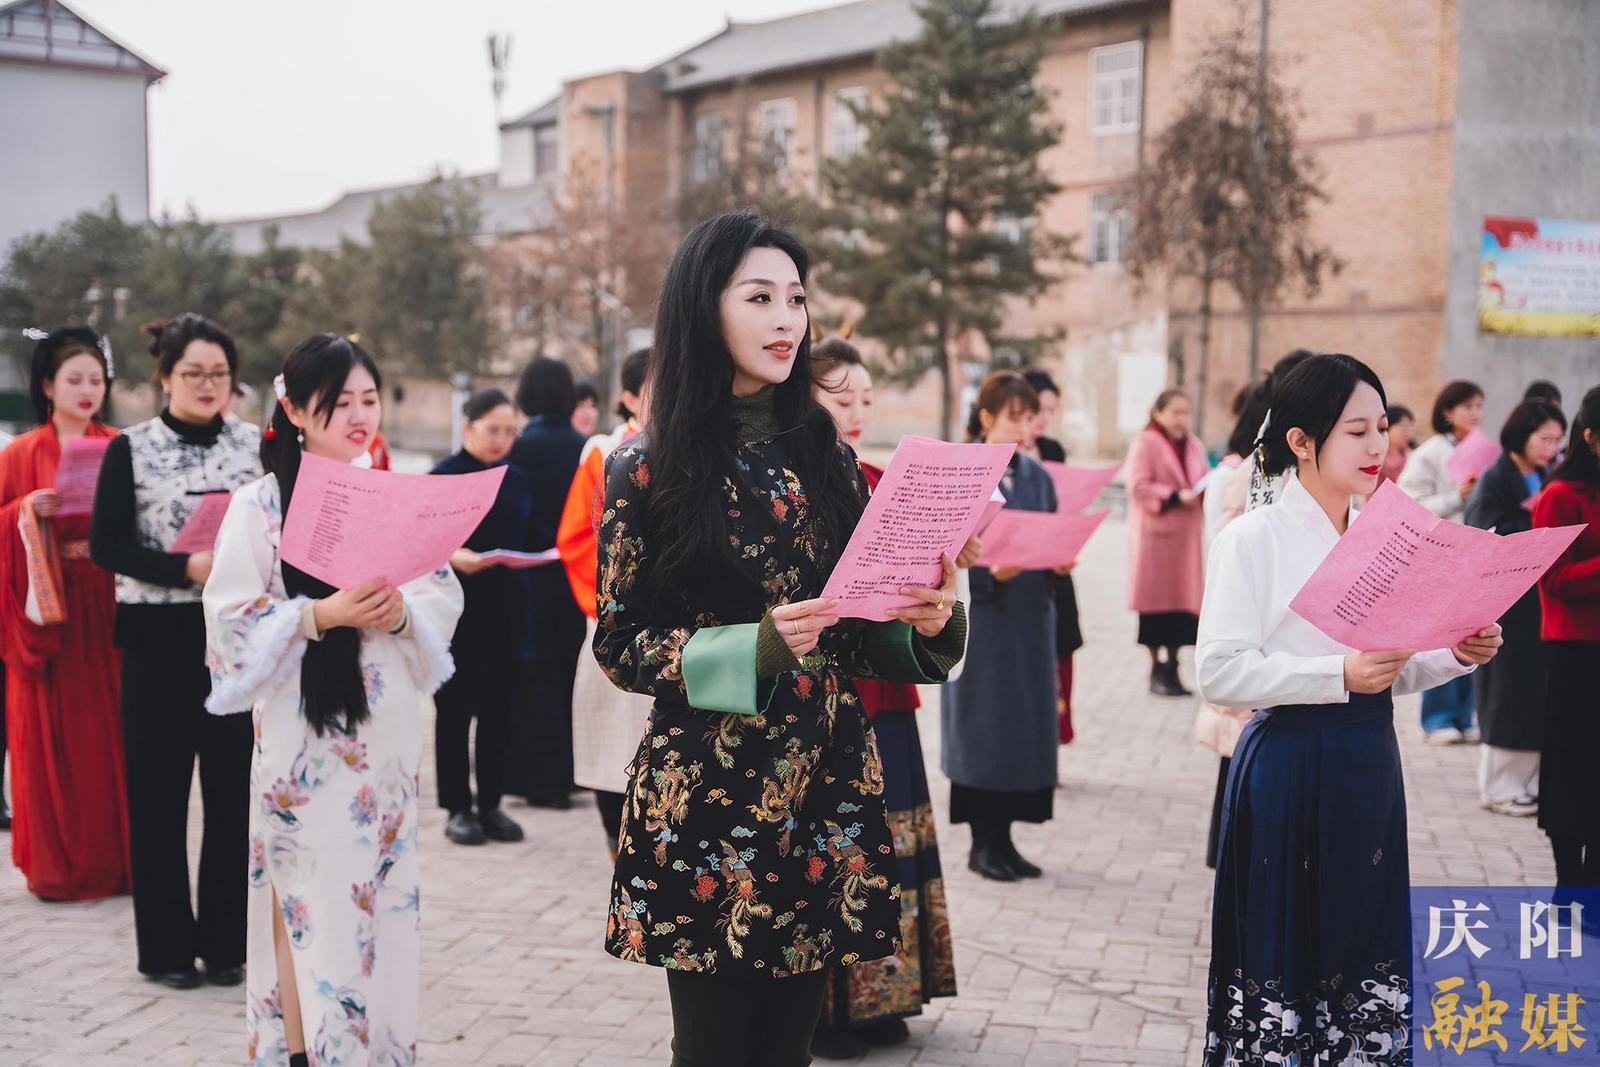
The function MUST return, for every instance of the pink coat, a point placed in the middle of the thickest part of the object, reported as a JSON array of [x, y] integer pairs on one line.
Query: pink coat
[[1165, 565]]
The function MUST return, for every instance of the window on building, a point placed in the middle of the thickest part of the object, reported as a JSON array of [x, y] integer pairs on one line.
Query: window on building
[[847, 135], [1114, 88], [775, 123], [1109, 224], [706, 160], [546, 151]]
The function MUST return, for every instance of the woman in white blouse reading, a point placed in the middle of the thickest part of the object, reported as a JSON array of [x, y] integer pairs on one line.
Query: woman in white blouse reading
[[1310, 923]]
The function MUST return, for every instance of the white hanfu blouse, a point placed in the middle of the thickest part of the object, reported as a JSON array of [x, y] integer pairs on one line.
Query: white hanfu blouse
[[1253, 652]]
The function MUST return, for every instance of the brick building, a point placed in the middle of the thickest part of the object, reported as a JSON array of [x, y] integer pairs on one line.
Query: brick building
[[1380, 86]]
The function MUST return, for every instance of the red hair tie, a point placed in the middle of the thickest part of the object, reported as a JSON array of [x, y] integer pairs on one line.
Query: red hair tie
[[270, 434]]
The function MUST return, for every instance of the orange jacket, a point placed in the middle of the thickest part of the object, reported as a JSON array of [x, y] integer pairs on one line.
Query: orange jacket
[[580, 516]]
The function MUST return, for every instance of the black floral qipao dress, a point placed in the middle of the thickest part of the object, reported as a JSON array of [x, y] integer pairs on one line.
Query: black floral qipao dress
[[754, 836]]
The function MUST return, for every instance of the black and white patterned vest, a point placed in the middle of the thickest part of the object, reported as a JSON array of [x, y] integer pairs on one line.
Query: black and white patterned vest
[[170, 475]]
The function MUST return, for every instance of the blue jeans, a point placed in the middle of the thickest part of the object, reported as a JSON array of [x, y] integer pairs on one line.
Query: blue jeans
[[1448, 705]]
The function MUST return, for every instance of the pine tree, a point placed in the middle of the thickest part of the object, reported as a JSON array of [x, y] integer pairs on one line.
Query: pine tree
[[935, 222]]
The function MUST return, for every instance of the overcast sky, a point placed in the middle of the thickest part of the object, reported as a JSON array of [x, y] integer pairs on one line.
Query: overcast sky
[[275, 106]]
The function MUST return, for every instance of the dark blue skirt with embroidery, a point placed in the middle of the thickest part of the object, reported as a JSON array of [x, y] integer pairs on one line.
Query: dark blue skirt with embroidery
[[1310, 935]]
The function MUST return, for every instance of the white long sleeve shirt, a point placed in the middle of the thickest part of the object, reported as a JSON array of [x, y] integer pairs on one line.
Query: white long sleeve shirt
[[1253, 652], [1428, 479]]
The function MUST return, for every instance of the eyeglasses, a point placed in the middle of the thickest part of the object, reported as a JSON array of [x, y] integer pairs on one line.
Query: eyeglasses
[[193, 378]]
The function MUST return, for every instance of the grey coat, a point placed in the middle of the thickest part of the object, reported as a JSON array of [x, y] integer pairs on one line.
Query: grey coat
[[999, 716]]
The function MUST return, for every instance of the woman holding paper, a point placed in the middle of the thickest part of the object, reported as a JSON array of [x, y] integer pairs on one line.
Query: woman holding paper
[[868, 1003], [70, 827], [1313, 841], [1569, 597], [335, 678], [999, 719], [755, 852], [1510, 692], [1166, 525], [1447, 717], [154, 478], [488, 642]]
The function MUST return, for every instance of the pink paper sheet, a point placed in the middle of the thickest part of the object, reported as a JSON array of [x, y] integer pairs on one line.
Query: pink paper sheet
[[1038, 540], [1473, 455], [1078, 487], [930, 500], [512, 559], [199, 534], [349, 525], [79, 472], [1401, 577]]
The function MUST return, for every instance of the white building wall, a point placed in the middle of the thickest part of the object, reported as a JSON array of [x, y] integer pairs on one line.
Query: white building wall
[[69, 139]]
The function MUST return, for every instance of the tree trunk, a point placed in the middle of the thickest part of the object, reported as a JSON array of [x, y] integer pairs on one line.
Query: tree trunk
[[1206, 281]]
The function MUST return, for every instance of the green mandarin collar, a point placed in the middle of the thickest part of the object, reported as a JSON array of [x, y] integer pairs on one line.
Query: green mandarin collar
[[755, 417]]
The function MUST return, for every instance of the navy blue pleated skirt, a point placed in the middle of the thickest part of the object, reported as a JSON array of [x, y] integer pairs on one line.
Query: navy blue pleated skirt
[[1310, 935]]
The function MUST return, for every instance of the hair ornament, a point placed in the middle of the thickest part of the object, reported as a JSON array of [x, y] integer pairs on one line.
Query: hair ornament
[[353, 338], [278, 388], [269, 433], [105, 350], [33, 333]]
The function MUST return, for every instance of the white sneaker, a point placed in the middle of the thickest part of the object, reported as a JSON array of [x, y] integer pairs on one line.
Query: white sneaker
[[1449, 735], [1471, 736], [1518, 806]]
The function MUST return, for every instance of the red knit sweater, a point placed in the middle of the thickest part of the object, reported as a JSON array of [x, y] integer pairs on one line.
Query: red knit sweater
[[1569, 592]]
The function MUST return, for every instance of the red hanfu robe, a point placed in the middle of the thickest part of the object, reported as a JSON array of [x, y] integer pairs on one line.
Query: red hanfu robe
[[63, 708]]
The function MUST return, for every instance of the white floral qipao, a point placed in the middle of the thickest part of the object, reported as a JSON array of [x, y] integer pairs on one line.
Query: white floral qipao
[[333, 819]]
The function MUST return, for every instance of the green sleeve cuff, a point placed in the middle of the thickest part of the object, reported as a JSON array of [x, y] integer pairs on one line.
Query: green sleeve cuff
[[720, 671], [897, 653], [773, 654]]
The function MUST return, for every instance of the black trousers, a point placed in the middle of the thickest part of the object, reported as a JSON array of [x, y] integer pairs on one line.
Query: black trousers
[[482, 688], [742, 1020], [1577, 862], [610, 807], [165, 726], [545, 749]]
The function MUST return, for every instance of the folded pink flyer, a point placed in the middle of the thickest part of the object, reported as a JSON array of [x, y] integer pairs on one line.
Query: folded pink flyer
[[79, 472], [1078, 487], [199, 534], [1473, 455], [348, 525], [1401, 577], [1037, 540], [931, 499]]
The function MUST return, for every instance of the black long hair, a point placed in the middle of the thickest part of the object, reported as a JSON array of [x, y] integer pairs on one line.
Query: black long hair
[[1312, 397], [334, 696], [1581, 464], [691, 441], [54, 349]]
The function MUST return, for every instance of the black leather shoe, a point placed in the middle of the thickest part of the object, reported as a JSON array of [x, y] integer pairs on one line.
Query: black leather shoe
[[464, 829], [224, 975], [1164, 683], [555, 802], [834, 1045], [1179, 689], [1014, 860], [987, 862], [498, 826], [189, 979], [885, 1033]]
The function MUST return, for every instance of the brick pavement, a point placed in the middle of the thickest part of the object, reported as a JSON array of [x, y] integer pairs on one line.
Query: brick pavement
[[1101, 962]]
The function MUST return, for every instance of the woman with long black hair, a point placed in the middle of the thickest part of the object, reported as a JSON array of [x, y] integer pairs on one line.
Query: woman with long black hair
[[335, 679], [154, 477], [1310, 928], [1569, 600], [755, 851]]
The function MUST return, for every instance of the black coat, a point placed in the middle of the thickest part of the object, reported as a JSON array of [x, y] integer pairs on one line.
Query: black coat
[[1069, 634], [1511, 688], [495, 623]]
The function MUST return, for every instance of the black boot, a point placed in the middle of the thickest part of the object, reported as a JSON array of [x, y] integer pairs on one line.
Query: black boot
[[1179, 689], [1013, 859], [837, 1045], [1163, 679], [986, 859]]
